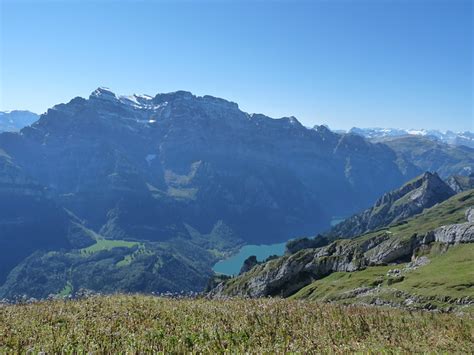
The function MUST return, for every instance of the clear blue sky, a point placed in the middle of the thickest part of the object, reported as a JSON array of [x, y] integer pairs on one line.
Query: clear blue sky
[[398, 63]]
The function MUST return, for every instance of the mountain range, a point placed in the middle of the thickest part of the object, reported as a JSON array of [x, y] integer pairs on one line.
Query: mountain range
[[146, 193], [13, 121], [449, 137]]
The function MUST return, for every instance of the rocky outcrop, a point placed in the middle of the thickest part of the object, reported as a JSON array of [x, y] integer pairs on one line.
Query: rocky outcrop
[[454, 233], [393, 250], [461, 183], [470, 214], [411, 199], [286, 275]]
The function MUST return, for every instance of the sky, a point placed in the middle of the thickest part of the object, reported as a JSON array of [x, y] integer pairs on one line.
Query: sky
[[344, 63]]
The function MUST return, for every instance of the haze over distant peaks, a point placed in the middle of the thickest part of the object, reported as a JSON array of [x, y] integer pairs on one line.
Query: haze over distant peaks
[[14, 120], [449, 137]]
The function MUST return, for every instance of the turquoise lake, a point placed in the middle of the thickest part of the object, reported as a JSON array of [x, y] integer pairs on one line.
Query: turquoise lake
[[232, 265]]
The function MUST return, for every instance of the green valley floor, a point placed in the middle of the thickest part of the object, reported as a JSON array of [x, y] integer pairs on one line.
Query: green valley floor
[[136, 323]]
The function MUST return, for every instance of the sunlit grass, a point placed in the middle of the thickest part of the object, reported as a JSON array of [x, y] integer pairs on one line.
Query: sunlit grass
[[450, 274], [107, 244], [134, 324]]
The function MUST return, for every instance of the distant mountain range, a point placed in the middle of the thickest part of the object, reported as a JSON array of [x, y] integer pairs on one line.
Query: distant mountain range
[[380, 134], [148, 192], [13, 121]]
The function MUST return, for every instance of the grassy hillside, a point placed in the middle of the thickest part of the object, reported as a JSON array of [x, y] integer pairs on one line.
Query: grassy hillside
[[446, 278], [147, 324], [450, 274]]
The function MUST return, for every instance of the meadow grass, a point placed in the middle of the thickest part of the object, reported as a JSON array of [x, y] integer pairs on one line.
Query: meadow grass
[[136, 323], [336, 284], [107, 244], [450, 274]]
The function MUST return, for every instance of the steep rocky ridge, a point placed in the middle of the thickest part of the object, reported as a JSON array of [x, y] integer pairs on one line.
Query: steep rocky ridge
[[412, 198]]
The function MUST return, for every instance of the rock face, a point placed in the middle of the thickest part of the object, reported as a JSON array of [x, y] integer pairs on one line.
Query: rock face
[[141, 167], [470, 214], [412, 198], [461, 183], [455, 233]]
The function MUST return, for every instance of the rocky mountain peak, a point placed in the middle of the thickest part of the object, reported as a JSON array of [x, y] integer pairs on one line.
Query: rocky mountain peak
[[103, 93], [163, 105], [427, 182], [412, 198]]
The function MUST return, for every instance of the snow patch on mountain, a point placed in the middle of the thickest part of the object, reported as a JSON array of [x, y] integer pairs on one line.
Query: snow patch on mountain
[[149, 158]]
